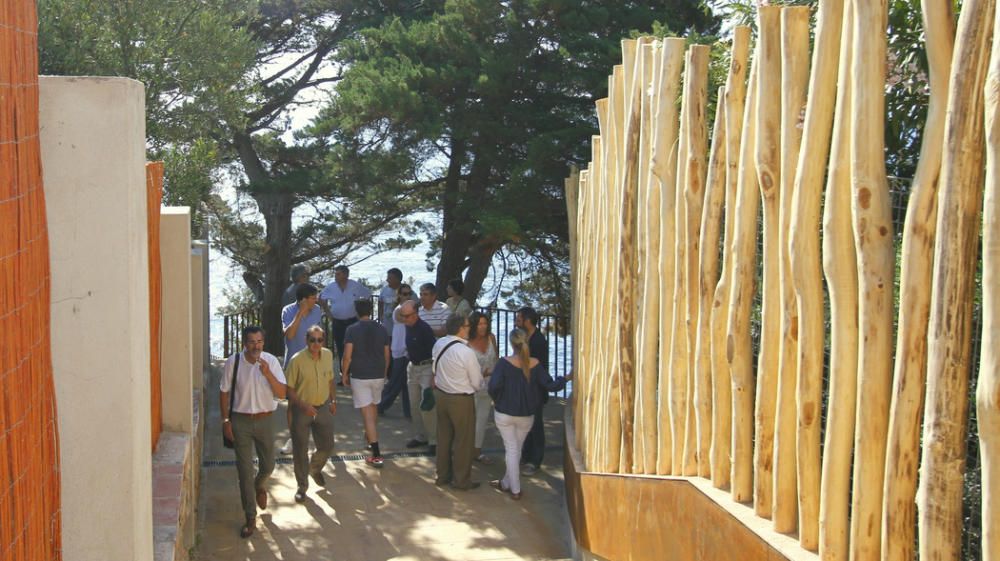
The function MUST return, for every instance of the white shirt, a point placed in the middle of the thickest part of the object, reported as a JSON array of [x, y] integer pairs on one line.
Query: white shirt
[[436, 316], [342, 301], [457, 370], [253, 392], [398, 343], [388, 299]]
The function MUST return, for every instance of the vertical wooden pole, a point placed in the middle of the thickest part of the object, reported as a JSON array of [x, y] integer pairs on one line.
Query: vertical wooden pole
[[769, 179], [595, 366], [906, 411], [648, 306], [679, 350], [949, 332], [711, 223], [744, 257], [572, 186], [696, 102], [722, 407], [988, 388], [840, 269], [872, 214], [616, 108], [664, 167], [805, 255], [794, 78]]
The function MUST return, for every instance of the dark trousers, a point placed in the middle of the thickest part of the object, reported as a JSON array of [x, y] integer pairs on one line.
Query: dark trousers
[[339, 328], [534, 445], [252, 435], [456, 435], [396, 386], [321, 428]]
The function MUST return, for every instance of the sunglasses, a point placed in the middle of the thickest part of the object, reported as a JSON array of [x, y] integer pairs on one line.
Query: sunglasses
[[315, 339], [406, 294]]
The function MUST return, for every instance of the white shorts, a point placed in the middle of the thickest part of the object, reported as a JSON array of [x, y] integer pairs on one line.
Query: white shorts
[[366, 392]]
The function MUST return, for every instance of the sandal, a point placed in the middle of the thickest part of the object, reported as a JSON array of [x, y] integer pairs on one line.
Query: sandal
[[485, 460], [498, 485], [375, 461], [515, 496]]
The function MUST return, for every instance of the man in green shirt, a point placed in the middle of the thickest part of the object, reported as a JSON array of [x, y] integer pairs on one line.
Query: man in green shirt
[[313, 400]]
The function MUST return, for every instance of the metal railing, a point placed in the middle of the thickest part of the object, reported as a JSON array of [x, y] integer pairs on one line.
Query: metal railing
[[555, 328]]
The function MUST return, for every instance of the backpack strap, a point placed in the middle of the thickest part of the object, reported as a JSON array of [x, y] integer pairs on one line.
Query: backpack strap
[[441, 354], [232, 386]]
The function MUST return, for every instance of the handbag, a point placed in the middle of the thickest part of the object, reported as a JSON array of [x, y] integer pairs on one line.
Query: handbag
[[226, 441]]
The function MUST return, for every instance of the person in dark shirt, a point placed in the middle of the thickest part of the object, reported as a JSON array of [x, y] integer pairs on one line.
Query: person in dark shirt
[[366, 361], [420, 340], [516, 386], [538, 347]]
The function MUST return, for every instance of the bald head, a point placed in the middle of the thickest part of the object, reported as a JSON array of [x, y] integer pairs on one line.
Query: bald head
[[408, 312]]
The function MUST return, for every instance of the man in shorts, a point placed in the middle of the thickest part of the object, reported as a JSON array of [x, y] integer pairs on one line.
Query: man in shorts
[[365, 368]]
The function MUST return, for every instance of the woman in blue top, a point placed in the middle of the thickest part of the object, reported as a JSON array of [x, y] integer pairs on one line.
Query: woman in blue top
[[517, 386]]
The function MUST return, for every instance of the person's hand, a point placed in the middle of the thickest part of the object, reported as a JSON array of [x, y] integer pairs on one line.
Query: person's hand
[[264, 368], [333, 407], [227, 430], [303, 312], [347, 381], [569, 376], [310, 410]]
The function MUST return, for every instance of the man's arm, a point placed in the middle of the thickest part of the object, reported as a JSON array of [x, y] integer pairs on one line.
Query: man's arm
[[385, 353], [278, 387], [227, 426], [293, 328], [471, 366]]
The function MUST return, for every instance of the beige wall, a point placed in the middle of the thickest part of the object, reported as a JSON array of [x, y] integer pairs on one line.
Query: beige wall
[[199, 311], [93, 162], [176, 344]]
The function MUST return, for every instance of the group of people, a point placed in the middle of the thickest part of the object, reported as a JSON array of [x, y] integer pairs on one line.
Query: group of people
[[442, 353]]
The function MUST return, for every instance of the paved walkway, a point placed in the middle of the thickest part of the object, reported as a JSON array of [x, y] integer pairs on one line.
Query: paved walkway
[[396, 513]]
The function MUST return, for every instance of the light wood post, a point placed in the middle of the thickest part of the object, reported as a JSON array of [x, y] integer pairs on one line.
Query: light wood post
[[616, 109], [870, 208], [744, 257], [805, 260], [647, 328], [711, 223], [906, 411], [722, 408], [949, 331], [696, 102], [841, 271], [665, 169], [769, 179], [794, 79]]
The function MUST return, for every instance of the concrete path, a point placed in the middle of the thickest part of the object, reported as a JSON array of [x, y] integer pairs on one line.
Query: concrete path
[[396, 513]]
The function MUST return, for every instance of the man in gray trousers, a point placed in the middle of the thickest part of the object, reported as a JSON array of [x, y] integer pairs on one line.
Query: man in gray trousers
[[259, 381]]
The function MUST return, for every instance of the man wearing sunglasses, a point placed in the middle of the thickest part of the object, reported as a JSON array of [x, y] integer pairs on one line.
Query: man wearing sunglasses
[[312, 400]]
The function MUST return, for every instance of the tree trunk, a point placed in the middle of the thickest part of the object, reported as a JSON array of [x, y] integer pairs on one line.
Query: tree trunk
[[277, 210]]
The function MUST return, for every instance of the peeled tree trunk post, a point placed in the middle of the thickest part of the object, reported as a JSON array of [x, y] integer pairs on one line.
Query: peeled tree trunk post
[[949, 331]]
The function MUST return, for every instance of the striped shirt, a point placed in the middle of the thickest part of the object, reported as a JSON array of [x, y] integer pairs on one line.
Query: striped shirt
[[436, 316]]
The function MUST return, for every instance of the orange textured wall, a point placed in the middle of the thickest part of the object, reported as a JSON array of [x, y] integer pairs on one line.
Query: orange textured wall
[[29, 453]]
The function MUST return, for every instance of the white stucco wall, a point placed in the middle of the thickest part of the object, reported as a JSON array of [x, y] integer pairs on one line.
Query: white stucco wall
[[199, 310], [175, 357], [93, 160]]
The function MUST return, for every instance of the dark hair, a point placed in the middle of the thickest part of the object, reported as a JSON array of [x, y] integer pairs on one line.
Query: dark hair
[[299, 270], [429, 287], [249, 330], [342, 269], [400, 289], [457, 285], [474, 318], [305, 290], [454, 323], [529, 313], [396, 273], [363, 306]]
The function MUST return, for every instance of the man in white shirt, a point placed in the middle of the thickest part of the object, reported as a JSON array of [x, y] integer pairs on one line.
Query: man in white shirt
[[337, 300], [396, 385], [456, 378], [432, 311], [388, 297], [246, 417]]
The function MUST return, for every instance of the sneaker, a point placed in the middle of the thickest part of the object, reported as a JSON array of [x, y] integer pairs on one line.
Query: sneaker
[[287, 448], [414, 443], [300, 496], [375, 461], [318, 478], [529, 469]]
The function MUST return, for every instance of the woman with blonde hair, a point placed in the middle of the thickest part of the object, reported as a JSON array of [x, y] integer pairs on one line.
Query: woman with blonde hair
[[516, 386]]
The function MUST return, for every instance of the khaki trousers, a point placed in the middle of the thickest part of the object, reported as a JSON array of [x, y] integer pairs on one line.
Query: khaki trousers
[[424, 422], [456, 427]]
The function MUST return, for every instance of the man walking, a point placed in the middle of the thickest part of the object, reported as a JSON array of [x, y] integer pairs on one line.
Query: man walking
[[366, 360], [397, 368], [456, 378], [255, 380], [337, 300], [419, 344], [534, 446], [312, 401], [433, 311], [296, 319], [388, 297]]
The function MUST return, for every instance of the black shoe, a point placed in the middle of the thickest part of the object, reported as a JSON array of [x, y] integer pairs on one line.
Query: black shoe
[[414, 443], [318, 478], [433, 449], [300, 496], [470, 486]]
